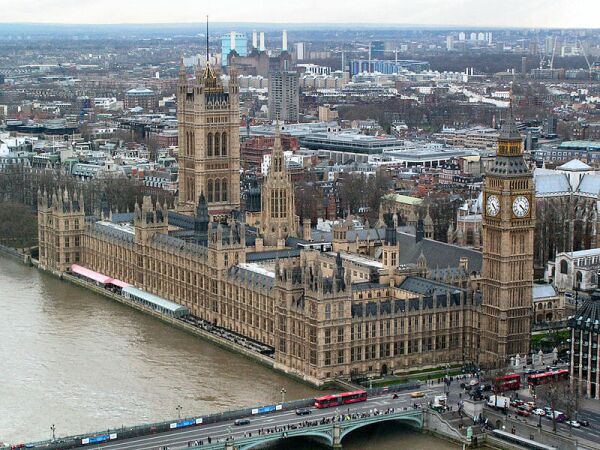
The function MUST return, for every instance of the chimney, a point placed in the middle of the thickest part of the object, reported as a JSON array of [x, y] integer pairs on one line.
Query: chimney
[[262, 41], [284, 41], [254, 39]]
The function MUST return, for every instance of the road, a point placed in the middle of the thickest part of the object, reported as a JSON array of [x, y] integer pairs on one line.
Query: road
[[222, 430]]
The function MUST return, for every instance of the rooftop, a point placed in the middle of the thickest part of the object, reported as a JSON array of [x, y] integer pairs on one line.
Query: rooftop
[[575, 165]]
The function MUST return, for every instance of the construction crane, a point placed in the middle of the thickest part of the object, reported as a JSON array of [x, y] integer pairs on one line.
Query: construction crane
[[587, 61], [553, 53]]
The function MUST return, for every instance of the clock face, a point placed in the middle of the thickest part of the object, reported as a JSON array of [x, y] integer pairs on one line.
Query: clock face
[[492, 206], [520, 206]]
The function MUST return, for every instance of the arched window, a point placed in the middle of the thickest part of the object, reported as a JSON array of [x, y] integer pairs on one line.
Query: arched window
[[210, 192], [217, 144], [217, 190], [224, 190], [209, 144], [224, 144], [564, 266]]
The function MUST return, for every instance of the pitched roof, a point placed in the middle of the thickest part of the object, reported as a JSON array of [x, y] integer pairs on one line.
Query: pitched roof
[[543, 291], [427, 287], [590, 184], [546, 185], [575, 165], [437, 254]]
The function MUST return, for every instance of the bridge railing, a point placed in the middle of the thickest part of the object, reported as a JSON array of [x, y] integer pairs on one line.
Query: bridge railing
[[324, 430], [172, 425]]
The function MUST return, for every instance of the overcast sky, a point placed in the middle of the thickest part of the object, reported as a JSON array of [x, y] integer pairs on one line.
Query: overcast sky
[[485, 13]]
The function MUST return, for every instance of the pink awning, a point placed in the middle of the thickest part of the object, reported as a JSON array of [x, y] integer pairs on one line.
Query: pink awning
[[87, 273], [119, 283]]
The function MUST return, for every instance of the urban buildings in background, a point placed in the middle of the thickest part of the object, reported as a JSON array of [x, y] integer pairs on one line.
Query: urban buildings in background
[[284, 103], [352, 204]]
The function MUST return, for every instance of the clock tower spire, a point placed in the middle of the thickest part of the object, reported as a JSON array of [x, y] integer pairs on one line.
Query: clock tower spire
[[507, 273]]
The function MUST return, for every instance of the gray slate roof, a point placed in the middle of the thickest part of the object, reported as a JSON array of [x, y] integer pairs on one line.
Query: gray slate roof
[[437, 254], [249, 277], [425, 286]]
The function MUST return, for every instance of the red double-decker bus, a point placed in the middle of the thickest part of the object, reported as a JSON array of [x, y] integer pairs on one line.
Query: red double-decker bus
[[548, 377], [510, 382], [344, 398]]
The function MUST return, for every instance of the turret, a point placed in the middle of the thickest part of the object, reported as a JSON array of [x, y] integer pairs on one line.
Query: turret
[[149, 220], [428, 226], [391, 250], [202, 218]]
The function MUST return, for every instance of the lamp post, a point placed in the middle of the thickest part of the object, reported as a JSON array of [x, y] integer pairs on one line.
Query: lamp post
[[179, 408], [53, 429], [283, 392]]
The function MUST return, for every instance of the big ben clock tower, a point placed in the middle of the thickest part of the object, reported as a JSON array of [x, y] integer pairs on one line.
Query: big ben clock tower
[[507, 273]]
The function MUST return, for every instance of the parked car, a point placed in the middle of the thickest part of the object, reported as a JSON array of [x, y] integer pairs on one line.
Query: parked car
[[539, 412], [574, 423], [523, 412], [303, 412], [239, 422], [584, 423], [516, 403]]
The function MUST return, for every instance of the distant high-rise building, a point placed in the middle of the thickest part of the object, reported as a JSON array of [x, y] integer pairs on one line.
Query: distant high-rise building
[[284, 102], [524, 65], [473, 36], [299, 50], [462, 36], [377, 49], [284, 43], [233, 41], [254, 39], [480, 37], [261, 46], [548, 45], [449, 42]]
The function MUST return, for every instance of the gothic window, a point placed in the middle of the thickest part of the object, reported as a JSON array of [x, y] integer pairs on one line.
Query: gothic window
[[217, 190], [217, 144], [224, 144], [564, 266], [210, 192], [209, 144], [224, 190]]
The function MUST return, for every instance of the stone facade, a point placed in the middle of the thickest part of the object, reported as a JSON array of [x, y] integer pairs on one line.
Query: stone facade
[[382, 302], [507, 275], [209, 142]]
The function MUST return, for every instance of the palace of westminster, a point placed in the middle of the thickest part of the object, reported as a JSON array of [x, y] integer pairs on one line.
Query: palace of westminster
[[353, 302]]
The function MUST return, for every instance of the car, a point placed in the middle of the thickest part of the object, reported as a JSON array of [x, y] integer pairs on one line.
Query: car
[[584, 423], [530, 406], [516, 403], [574, 423], [417, 394], [523, 412], [539, 412], [240, 422], [303, 412]]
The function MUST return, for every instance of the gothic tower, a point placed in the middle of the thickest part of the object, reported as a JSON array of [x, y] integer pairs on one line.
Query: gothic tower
[[208, 117], [278, 217], [507, 273]]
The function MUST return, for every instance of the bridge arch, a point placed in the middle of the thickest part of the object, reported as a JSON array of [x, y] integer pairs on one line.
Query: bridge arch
[[413, 421], [321, 436]]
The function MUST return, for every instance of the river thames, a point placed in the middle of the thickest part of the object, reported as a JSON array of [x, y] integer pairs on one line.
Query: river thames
[[81, 362]]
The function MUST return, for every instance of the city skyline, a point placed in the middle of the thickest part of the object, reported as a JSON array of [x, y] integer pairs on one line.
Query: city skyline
[[468, 13]]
